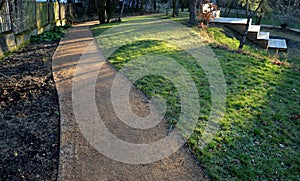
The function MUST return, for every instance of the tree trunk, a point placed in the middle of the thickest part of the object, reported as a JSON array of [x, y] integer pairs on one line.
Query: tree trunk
[[108, 9], [174, 8], [122, 9], [49, 12], [137, 6], [131, 4], [59, 12], [154, 5], [182, 5], [245, 34], [249, 15], [100, 10], [11, 14], [193, 4], [237, 11], [177, 7], [142, 9], [227, 9], [259, 20]]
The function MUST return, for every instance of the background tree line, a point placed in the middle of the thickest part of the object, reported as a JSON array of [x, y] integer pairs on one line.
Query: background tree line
[[107, 10]]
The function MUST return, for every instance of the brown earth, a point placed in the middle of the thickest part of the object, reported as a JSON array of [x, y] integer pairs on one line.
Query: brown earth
[[29, 115]]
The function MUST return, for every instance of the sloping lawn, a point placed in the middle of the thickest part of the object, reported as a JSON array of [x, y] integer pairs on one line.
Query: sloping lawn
[[259, 139], [259, 135]]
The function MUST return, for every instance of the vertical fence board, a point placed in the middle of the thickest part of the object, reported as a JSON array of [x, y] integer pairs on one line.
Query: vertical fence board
[[41, 14], [30, 14], [5, 21], [19, 19]]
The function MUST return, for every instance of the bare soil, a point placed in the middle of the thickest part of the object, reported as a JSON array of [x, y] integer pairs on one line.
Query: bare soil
[[29, 115]]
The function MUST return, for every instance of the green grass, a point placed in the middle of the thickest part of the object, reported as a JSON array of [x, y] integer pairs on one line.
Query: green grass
[[261, 101], [293, 51], [97, 30], [153, 85], [258, 137], [182, 18]]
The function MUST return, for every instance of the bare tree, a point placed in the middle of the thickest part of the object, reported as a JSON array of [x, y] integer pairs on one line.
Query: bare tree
[[288, 10], [263, 11], [122, 9], [99, 7], [252, 6], [59, 12], [228, 6], [175, 5]]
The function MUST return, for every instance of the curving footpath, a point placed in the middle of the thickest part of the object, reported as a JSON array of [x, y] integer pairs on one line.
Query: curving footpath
[[78, 159]]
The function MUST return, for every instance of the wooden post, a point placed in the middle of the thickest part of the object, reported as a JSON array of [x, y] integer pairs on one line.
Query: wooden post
[[35, 14], [10, 9], [49, 16]]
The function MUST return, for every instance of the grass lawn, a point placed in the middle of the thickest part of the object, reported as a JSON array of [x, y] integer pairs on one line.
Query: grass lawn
[[258, 138]]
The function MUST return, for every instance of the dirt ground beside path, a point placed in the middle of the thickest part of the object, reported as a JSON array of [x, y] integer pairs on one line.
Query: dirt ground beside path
[[78, 159], [29, 115]]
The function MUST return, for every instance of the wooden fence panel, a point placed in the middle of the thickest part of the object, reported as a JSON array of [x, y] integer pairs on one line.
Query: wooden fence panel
[[5, 21], [20, 19], [23, 15], [42, 14], [30, 15]]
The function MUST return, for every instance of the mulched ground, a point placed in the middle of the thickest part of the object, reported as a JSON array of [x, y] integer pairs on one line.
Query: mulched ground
[[29, 115]]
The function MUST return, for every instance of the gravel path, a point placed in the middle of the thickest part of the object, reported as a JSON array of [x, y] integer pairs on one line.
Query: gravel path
[[78, 159]]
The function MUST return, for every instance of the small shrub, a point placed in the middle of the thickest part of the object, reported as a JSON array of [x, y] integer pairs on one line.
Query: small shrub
[[56, 33]]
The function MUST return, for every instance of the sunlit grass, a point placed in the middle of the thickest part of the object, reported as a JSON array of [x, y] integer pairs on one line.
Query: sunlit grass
[[97, 30], [259, 136], [253, 143], [153, 85]]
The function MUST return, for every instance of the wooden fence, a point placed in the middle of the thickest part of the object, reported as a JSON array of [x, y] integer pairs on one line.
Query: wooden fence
[[19, 19], [5, 20]]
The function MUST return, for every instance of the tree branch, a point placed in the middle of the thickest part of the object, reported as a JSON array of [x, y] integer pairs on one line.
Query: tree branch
[[260, 4], [247, 8]]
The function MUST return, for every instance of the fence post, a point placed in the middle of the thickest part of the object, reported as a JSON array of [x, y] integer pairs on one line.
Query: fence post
[[35, 21], [11, 16], [49, 9]]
